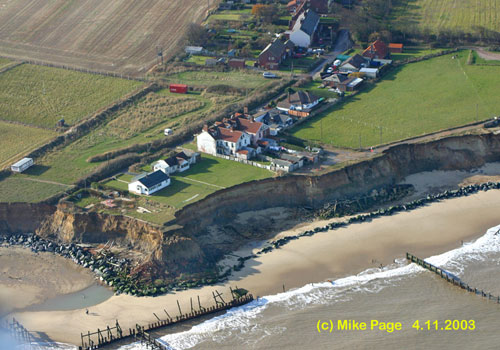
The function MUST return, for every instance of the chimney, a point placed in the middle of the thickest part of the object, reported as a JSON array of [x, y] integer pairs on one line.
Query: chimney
[[245, 110]]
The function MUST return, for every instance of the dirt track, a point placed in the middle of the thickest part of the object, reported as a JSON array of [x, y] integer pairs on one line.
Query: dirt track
[[113, 35]]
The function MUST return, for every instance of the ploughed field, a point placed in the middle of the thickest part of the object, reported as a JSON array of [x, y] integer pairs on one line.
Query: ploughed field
[[117, 35], [410, 100], [464, 15]]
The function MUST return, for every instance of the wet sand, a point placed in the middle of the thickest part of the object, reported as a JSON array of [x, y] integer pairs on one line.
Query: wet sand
[[27, 278], [426, 231]]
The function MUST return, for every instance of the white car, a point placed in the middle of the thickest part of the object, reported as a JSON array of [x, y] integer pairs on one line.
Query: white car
[[269, 75]]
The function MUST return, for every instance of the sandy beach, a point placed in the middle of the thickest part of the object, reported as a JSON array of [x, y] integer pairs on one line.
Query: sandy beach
[[27, 278], [424, 232]]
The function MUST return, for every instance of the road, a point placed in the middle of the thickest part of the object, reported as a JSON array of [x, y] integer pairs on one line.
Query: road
[[342, 44]]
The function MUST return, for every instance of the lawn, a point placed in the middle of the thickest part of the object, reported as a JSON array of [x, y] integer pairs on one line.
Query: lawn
[[233, 78], [411, 100], [439, 14], [19, 189], [17, 140], [40, 96], [302, 64], [207, 176]]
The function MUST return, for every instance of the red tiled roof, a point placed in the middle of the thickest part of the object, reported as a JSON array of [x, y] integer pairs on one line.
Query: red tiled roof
[[395, 46], [242, 151], [248, 126], [376, 48], [229, 135]]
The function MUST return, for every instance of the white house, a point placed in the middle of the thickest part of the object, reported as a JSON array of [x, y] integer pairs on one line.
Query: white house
[[177, 163], [222, 140], [304, 28], [150, 183], [21, 165]]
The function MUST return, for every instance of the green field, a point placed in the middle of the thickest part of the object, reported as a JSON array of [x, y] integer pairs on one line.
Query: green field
[[41, 96], [4, 62], [440, 14], [412, 100], [233, 78], [205, 177], [18, 140], [19, 189], [413, 52], [139, 123]]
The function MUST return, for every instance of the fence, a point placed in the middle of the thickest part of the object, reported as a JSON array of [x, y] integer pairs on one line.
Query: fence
[[19, 334], [94, 340]]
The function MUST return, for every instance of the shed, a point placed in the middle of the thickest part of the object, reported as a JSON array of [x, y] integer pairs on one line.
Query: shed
[[369, 72], [194, 50], [395, 48], [179, 88], [236, 63], [21, 165]]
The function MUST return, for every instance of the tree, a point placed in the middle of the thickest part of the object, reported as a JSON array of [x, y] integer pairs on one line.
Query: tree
[[196, 34], [266, 13]]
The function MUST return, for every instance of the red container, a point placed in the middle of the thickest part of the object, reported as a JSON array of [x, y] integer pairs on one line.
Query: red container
[[179, 88]]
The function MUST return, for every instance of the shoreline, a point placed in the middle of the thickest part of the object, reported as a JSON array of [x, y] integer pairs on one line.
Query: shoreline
[[426, 231]]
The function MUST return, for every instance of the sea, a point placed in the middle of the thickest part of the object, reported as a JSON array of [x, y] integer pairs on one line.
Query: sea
[[389, 300]]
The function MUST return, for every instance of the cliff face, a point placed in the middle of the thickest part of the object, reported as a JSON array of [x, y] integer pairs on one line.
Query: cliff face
[[210, 227], [452, 153]]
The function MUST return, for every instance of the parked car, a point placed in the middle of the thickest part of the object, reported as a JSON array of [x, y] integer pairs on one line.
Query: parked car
[[168, 132], [269, 75], [492, 123]]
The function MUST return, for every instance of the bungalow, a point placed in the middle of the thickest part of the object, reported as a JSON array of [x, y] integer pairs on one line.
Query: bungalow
[[343, 82], [353, 64], [377, 49], [285, 165], [177, 163], [276, 120], [150, 183], [304, 29], [395, 48], [272, 56], [299, 101]]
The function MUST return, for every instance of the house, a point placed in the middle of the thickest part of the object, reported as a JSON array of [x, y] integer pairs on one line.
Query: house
[[353, 64], [284, 165], [21, 165], [177, 163], [296, 159], [221, 140], [273, 54], [304, 29], [276, 120], [299, 101], [319, 6], [376, 49], [370, 72], [194, 50], [250, 126], [150, 183], [236, 63], [395, 48], [343, 82]]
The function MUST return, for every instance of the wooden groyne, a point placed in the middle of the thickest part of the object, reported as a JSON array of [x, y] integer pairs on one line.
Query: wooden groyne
[[17, 332], [109, 335], [449, 277]]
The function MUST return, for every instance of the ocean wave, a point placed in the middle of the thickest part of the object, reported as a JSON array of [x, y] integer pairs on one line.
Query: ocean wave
[[239, 322]]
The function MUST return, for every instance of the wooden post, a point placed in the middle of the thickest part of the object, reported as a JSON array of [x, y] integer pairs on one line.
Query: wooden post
[[156, 317], [179, 306], [199, 304], [191, 300], [167, 314]]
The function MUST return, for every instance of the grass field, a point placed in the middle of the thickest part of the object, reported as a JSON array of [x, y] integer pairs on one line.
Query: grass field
[[4, 62], [233, 78], [140, 123], [439, 14], [413, 52], [207, 176], [41, 96], [17, 140], [19, 189], [411, 100]]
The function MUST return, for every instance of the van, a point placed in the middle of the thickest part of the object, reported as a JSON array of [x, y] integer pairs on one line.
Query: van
[[168, 132]]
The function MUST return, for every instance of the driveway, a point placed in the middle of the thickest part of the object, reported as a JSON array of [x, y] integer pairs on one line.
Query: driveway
[[342, 44]]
